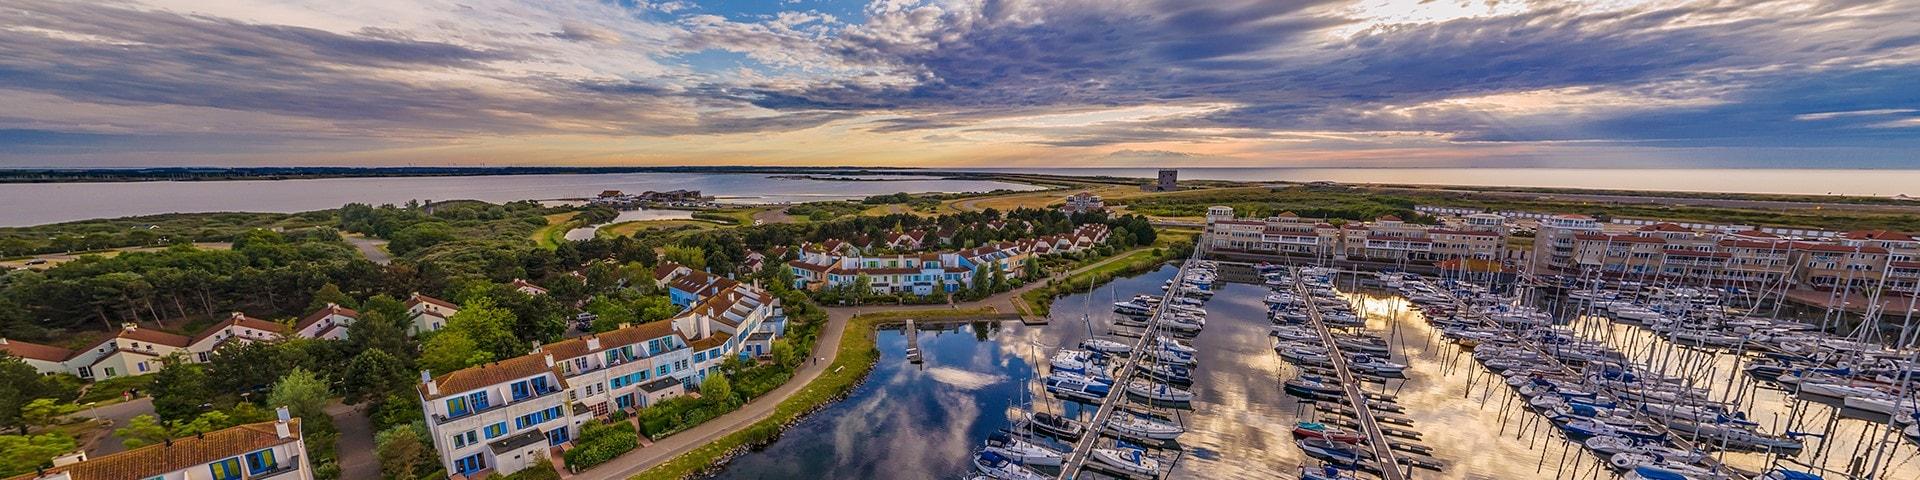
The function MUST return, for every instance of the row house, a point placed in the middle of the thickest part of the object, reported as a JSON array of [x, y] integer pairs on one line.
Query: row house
[[497, 418], [1083, 202], [138, 351], [1387, 239], [929, 273], [272, 449], [428, 314], [503, 416], [685, 286], [1667, 251], [328, 323]]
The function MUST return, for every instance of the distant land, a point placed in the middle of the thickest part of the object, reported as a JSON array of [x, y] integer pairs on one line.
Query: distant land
[[196, 174]]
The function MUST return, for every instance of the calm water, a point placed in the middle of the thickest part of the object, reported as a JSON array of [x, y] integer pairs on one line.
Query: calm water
[[34, 204], [636, 215], [1738, 180]]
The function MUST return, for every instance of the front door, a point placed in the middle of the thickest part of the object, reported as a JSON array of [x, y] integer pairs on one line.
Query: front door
[[557, 436]]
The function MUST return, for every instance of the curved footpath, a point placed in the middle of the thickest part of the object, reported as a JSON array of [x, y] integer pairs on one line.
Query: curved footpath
[[826, 349]]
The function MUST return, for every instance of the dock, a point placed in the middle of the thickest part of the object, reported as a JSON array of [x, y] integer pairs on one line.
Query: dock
[[1076, 461], [1383, 453], [913, 343]]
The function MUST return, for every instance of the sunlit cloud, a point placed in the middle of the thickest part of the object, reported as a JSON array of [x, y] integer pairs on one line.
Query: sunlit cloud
[[958, 82]]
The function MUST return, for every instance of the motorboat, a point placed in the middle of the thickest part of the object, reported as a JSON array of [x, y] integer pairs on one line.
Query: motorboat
[[1321, 430], [1141, 427], [1131, 461], [1002, 468], [1157, 391], [1074, 386], [1056, 425], [1106, 346], [1075, 361], [1022, 451], [1375, 365]]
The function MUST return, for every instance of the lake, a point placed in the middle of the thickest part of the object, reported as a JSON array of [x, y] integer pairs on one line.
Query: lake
[[40, 203], [1735, 180]]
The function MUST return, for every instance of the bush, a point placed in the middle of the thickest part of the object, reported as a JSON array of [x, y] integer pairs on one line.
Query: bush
[[600, 443], [542, 470]]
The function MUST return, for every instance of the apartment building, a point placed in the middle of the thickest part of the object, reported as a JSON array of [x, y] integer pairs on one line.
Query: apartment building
[[497, 418], [930, 273], [328, 323], [1554, 242], [265, 450], [502, 416], [1388, 239]]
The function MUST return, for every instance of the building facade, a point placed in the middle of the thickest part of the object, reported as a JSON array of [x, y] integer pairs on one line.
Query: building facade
[[272, 449]]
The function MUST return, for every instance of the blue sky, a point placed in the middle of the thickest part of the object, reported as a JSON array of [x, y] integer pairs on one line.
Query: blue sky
[[1013, 83]]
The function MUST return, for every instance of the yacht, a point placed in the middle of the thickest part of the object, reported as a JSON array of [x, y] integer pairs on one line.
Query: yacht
[[1156, 391], [1141, 427], [1074, 386], [1002, 468], [1106, 346], [1022, 451], [1131, 461], [1056, 425]]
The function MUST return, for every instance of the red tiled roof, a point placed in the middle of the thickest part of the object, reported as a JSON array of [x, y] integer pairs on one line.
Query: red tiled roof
[[1389, 218], [1827, 247], [240, 320], [34, 350], [179, 454], [417, 299], [1887, 235], [1472, 233], [477, 377], [1755, 234], [155, 337], [331, 309], [1601, 237], [634, 334]]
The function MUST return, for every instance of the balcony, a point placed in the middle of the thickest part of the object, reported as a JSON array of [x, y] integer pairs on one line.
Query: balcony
[[439, 419], [292, 465]]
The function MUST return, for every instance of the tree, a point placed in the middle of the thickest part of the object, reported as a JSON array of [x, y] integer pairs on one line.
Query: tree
[[329, 293], [382, 326], [180, 389], [653, 308], [44, 411], [609, 314], [22, 453], [20, 385], [489, 327], [371, 375], [303, 393], [400, 450], [717, 387], [452, 350], [783, 353], [245, 367], [141, 431], [690, 257]]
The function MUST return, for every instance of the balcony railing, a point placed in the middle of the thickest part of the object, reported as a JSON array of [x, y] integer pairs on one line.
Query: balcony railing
[[292, 465], [443, 419]]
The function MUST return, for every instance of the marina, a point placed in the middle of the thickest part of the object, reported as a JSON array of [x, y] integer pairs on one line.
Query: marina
[[1447, 412]]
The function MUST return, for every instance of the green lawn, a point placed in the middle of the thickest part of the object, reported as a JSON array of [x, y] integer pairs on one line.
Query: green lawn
[[550, 236]]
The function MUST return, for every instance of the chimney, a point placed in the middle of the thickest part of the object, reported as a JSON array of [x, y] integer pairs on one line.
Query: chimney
[[331, 305], [549, 358], [593, 343], [130, 326], [69, 459], [3, 340], [426, 378], [281, 426], [237, 315]]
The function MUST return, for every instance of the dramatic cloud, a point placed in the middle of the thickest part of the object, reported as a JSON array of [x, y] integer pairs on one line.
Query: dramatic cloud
[[962, 82]]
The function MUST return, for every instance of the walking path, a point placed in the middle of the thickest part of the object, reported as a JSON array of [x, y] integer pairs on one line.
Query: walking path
[[374, 249], [355, 444], [825, 350], [117, 416]]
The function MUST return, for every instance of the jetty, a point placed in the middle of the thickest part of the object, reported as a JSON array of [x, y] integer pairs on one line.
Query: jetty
[[1076, 461]]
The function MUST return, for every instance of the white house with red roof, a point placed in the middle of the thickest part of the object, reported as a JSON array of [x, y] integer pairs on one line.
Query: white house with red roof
[[429, 314], [327, 323], [527, 287]]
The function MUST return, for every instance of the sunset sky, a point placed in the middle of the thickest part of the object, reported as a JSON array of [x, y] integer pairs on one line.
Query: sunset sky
[[961, 83]]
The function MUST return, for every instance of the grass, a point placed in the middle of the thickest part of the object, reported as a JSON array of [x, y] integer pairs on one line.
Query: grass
[[627, 229], [550, 236], [856, 357], [107, 392], [1039, 301]]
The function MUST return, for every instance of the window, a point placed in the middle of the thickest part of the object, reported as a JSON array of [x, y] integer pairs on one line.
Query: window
[[478, 400], [456, 406], [464, 439], [520, 391], [261, 462], [496, 430], [228, 469], [470, 464], [142, 366], [700, 356], [664, 370]]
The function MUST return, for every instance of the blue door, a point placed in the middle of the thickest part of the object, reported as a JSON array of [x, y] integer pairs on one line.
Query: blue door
[[474, 463], [557, 436]]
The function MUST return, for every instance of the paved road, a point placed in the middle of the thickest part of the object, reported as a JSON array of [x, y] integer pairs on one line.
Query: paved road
[[355, 445], [118, 414], [826, 349], [372, 248], [773, 215]]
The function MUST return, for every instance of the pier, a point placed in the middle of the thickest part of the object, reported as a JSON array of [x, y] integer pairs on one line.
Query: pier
[[1083, 448], [1383, 451]]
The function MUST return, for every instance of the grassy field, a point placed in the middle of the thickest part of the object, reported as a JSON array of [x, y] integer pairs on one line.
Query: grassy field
[[550, 236], [857, 354], [627, 229]]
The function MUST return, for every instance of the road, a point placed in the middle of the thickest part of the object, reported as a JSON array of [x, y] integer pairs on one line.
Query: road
[[355, 444], [826, 349], [773, 215], [117, 414], [374, 249]]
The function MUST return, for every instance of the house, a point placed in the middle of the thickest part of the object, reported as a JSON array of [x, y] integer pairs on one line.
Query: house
[[428, 314], [131, 351], [272, 449], [528, 288], [46, 359], [685, 286], [1083, 202], [497, 418], [328, 323], [237, 328]]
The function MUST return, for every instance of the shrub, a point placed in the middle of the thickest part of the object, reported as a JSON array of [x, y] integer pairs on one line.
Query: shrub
[[600, 443]]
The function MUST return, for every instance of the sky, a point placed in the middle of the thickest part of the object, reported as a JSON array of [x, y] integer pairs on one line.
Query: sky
[[962, 83]]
